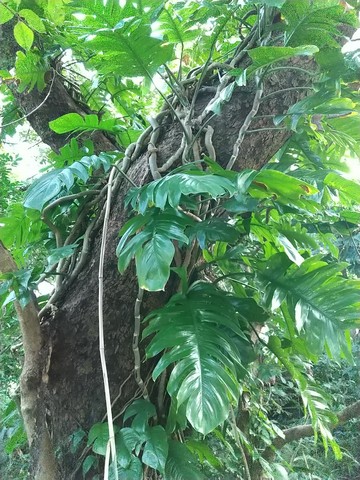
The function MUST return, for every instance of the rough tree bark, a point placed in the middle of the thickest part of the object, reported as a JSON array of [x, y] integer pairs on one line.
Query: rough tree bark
[[71, 389]]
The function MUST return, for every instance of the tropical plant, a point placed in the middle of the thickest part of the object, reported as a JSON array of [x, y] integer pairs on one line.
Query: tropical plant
[[214, 231]]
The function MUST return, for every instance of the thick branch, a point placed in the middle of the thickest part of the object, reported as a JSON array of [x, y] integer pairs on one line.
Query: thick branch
[[302, 431]]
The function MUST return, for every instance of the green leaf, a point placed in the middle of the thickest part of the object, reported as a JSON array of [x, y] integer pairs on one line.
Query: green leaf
[[173, 27], [348, 189], [57, 254], [141, 410], [67, 123], [321, 302], [279, 472], [73, 122], [130, 50], [197, 332], [169, 190], [43, 190], [266, 56], [156, 448], [61, 180], [24, 36], [283, 188], [133, 471], [203, 452], [5, 14], [88, 463], [152, 247], [153, 263], [315, 22], [33, 20], [76, 438], [181, 465], [127, 441], [212, 230], [55, 10], [98, 437], [270, 3], [30, 70], [224, 97]]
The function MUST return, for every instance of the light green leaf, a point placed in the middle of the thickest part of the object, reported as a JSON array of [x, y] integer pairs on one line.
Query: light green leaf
[[5, 14], [156, 448], [132, 51], [153, 263], [30, 70], [67, 123], [348, 189], [266, 56], [24, 36], [33, 20], [73, 122]]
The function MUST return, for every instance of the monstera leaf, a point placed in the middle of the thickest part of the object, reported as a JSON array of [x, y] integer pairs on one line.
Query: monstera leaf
[[200, 333], [320, 301]]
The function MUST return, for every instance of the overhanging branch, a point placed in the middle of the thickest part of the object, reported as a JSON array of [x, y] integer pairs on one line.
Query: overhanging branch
[[303, 431]]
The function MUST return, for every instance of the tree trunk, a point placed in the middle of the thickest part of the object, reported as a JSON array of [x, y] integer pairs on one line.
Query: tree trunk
[[71, 392]]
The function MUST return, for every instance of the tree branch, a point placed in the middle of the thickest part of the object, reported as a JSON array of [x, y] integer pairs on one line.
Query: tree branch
[[303, 431]]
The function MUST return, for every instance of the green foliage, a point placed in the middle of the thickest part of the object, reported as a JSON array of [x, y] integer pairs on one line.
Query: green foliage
[[265, 56], [198, 329], [23, 35], [61, 180], [317, 21], [73, 122], [150, 443], [30, 70]]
